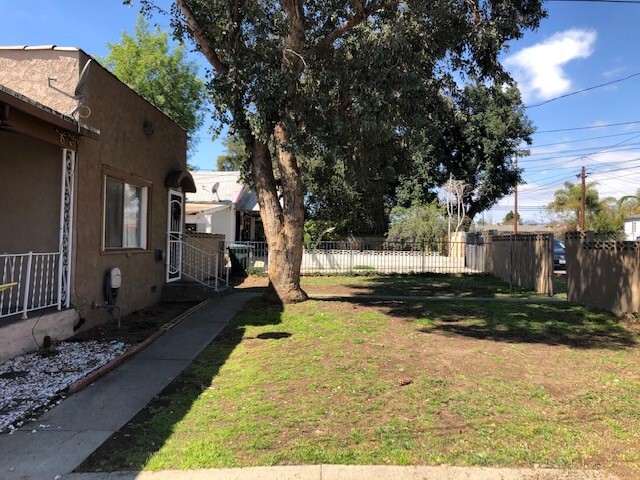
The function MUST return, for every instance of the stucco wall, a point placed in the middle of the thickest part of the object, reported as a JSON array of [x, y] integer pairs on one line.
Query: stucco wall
[[28, 71], [119, 113], [30, 178], [526, 260], [603, 274]]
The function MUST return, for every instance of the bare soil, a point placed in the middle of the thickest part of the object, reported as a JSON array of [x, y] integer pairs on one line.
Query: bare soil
[[137, 326]]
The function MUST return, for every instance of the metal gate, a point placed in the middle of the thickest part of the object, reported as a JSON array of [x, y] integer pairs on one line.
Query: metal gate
[[175, 224]]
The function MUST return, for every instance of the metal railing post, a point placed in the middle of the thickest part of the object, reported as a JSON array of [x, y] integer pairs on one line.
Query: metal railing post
[[216, 274], [25, 302]]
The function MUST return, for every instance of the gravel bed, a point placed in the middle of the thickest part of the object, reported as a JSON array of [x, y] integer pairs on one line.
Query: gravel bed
[[34, 382]]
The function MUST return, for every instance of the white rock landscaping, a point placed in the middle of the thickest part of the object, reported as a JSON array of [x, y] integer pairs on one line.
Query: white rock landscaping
[[36, 381]]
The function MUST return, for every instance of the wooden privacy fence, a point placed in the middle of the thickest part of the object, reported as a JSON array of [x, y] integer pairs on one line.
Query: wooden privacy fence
[[523, 260], [603, 274]]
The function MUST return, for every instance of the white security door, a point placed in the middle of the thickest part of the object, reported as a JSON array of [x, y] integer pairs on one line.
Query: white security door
[[175, 222]]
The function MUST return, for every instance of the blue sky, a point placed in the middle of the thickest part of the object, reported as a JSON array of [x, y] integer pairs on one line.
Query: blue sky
[[579, 45]]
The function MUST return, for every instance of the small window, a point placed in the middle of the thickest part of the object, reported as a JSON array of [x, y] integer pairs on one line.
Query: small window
[[125, 215]]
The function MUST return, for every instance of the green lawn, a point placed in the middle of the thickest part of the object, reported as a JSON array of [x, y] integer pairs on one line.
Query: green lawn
[[428, 284], [463, 383]]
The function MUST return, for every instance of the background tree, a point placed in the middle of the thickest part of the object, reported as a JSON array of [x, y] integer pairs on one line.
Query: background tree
[[609, 218], [509, 218], [289, 75], [483, 135], [473, 134], [453, 195], [424, 224], [567, 202], [235, 157], [145, 62]]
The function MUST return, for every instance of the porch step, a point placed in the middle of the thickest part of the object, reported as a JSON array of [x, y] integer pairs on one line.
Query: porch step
[[185, 291]]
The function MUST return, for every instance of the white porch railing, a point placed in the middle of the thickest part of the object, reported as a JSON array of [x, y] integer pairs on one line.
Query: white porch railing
[[204, 264], [36, 279]]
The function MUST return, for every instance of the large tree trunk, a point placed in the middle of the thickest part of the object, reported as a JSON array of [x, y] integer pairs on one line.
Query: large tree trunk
[[283, 223]]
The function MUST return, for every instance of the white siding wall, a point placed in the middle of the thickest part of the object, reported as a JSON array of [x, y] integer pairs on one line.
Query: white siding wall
[[632, 229], [222, 222]]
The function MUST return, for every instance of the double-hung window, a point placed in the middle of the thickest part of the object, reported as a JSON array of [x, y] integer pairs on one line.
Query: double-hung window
[[125, 214]]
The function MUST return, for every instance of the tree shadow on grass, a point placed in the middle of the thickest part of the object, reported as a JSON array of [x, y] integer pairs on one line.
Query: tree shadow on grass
[[437, 284], [555, 323], [131, 447]]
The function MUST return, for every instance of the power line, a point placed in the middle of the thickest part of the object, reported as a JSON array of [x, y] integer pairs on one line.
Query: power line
[[571, 129], [579, 152], [584, 90], [583, 139]]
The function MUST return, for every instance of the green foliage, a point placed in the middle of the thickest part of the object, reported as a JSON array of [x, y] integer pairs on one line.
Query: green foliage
[[487, 126], [567, 201], [145, 62], [509, 218], [424, 224], [316, 231], [236, 156]]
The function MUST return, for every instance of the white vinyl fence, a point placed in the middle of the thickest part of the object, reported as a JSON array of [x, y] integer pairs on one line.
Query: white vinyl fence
[[361, 257]]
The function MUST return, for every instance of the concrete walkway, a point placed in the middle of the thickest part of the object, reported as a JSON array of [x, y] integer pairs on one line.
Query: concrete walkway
[[81, 423], [353, 472]]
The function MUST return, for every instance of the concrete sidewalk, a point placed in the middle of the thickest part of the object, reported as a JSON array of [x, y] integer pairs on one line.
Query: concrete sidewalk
[[353, 472], [81, 423]]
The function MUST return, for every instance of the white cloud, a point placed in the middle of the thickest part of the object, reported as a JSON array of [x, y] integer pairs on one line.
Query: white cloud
[[539, 69]]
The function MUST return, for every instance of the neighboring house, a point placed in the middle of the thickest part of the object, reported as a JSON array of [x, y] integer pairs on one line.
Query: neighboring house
[[632, 228], [223, 205], [83, 199], [503, 228]]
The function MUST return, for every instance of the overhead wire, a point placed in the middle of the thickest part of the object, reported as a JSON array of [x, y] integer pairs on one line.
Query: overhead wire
[[576, 92], [572, 129]]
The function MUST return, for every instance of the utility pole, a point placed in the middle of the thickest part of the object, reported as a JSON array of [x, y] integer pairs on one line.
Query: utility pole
[[584, 199], [515, 206]]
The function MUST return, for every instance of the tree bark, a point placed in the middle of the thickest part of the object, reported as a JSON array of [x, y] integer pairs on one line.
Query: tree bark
[[283, 223]]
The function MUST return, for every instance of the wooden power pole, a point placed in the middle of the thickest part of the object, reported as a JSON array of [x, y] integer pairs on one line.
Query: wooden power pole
[[515, 206], [584, 199]]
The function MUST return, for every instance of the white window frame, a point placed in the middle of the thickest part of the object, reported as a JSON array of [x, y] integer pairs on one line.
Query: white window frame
[[144, 214]]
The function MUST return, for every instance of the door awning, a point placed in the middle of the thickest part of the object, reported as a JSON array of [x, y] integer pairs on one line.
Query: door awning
[[180, 179]]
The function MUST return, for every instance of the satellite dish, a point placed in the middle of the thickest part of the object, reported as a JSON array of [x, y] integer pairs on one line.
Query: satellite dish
[[80, 93], [215, 187]]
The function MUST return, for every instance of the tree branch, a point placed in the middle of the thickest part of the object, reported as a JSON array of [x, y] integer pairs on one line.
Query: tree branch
[[293, 59], [203, 41], [360, 15]]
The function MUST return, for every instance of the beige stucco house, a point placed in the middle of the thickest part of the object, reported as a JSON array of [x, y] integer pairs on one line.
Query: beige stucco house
[[93, 178]]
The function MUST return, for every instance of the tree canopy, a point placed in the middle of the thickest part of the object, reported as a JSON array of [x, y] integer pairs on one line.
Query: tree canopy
[[510, 217], [146, 63], [487, 127], [296, 78]]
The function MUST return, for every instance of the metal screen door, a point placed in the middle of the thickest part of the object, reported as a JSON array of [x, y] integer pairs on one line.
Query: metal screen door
[[174, 236]]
